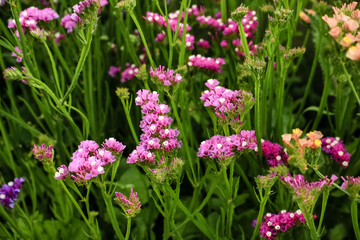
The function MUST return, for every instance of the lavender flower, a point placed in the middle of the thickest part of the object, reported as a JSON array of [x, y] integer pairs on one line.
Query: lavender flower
[[273, 153], [10, 192]]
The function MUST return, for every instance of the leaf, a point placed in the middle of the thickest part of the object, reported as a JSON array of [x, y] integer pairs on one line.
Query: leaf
[[338, 232], [316, 109]]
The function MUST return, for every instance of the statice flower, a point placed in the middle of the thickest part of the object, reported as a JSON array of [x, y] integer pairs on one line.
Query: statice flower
[[239, 49], [227, 104], [160, 21], [30, 18], [131, 205], [189, 41], [160, 37], [207, 63], [223, 148], [62, 173], [129, 73], [275, 224], [17, 54], [344, 25], [306, 192], [193, 11], [249, 22], [113, 71], [43, 154], [273, 153], [203, 44], [81, 12], [166, 77], [300, 150], [208, 21], [352, 186], [336, 148], [2, 2], [89, 160], [10, 192]]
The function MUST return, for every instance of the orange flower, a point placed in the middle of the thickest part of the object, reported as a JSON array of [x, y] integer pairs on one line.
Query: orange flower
[[296, 133], [354, 52], [347, 40], [286, 138]]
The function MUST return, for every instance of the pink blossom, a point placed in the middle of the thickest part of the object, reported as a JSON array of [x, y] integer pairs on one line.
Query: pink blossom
[[353, 52], [113, 71], [335, 32], [206, 63]]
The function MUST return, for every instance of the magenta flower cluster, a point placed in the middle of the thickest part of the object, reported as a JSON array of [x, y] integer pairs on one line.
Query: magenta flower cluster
[[274, 154], [30, 17], [350, 181], [113, 71], [166, 77], [70, 21], [223, 100], [43, 153], [208, 63], [17, 54], [10, 192], [298, 182], [273, 224], [222, 148], [336, 148], [130, 205], [155, 125], [89, 160], [129, 73]]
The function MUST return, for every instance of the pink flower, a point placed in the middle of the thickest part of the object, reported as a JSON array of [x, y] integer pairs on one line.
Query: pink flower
[[130, 205], [129, 73], [203, 43], [113, 71], [17, 54], [351, 25], [43, 154], [335, 32], [61, 173], [206, 63], [336, 148], [332, 22], [354, 52], [167, 76]]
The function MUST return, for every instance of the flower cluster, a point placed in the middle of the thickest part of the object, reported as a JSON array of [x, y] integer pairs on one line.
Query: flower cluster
[[129, 73], [130, 205], [249, 22], [227, 104], [166, 77], [239, 49], [305, 192], [336, 148], [203, 43], [343, 28], [17, 54], [10, 192], [89, 160], [155, 127], [113, 71], [31, 17], [43, 154], [273, 153], [70, 21], [301, 149], [222, 148], [352, 185], [207, 63], [210, 21], [273, 224]]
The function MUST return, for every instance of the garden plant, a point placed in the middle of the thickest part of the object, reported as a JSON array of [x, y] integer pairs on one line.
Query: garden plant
[[179, 119]]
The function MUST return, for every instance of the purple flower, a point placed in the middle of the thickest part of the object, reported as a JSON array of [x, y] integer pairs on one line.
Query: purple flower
[[129, 73], [274, 153], [61, 173], [336, 148], [10, 192], [113, 71]]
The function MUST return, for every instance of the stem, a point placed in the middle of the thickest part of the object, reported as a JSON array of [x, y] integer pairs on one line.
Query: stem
[[72, 199], [310, 222], [348, 78], [83, 55], [223, 11], [243, 40], [323, 208], [354, 218], [128, 117], [111, 212], [183, 40], [257, 116], [56, 76], [261, 213], [186, 146], [132, 15], [61, 59], [128, 228]]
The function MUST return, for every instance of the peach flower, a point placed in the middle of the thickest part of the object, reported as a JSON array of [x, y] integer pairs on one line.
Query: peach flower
[[351, 25], [335, 32], [353, 52], [347, 40]]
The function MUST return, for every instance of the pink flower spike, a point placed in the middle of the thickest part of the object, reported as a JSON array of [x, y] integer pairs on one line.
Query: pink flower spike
[[130, 205]]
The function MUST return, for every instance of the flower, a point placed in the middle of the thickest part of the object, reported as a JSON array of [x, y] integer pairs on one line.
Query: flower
[[274, 224], [43, 154], [352, 185], [129, 73], [17, 54], [336, 148], [113, 71], [131, 205], [61, 173], [166, 77], [10, 192], [274, 153]]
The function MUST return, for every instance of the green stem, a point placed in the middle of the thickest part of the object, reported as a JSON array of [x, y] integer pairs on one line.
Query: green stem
[[128, 117], [56, 76], [348, 78], [310, 222], [257, 116], [72, 199], [128, 228], [132, 15], [243, 40], [183, 40], [83, 55], [354, 218], [261, 213], [61, 59], [223, 11], [112, 216], [186, 146], [323, 208]]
